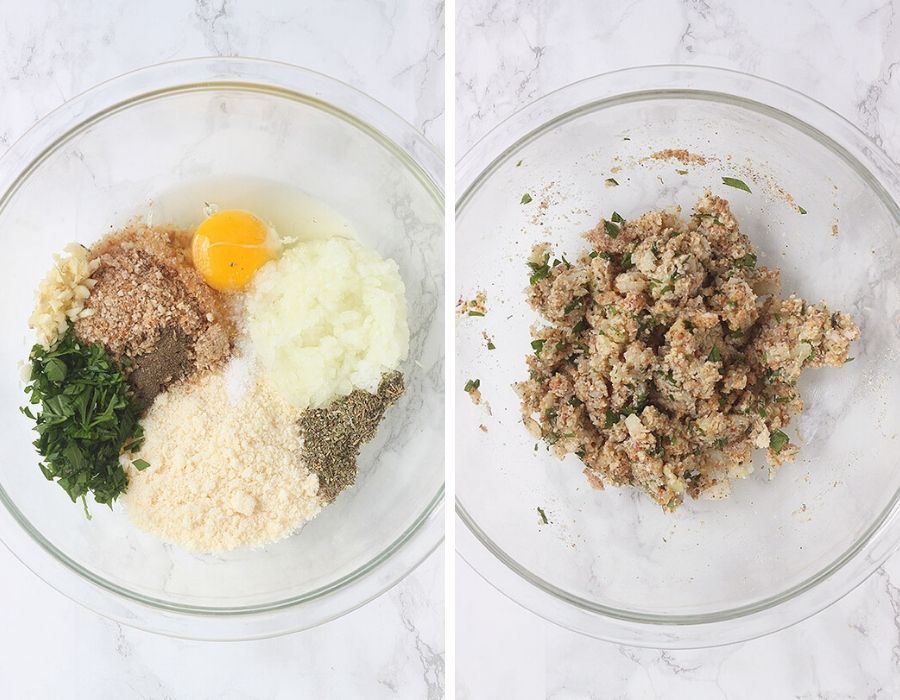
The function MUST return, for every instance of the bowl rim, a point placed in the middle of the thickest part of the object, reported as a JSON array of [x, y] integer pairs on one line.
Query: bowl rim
[[881, 538], [422, 537]]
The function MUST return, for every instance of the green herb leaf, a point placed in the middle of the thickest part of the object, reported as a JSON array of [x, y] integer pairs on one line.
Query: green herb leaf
[[582, 325], [801, 209], [681, 172], [491, 346], [539, 270], [617, 218], [610, 418], [611, 182], [472, 385], [543, 516], [88, 417], [475, 313], [734, 182], [777, 441], [714, 355], [140, 464], [519, 163], [626, 261], [526, 198], [593, 254], [611, 229], [537, 346], [748, 260]]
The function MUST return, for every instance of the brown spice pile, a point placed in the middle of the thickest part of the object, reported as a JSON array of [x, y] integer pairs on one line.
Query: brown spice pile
[[147, 293], [165, 364], [334, 435]]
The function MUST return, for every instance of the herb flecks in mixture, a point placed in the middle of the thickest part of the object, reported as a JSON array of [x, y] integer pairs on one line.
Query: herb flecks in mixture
[[666, 356], [333, 436], [472, 307], [88, 416], [737, 184]]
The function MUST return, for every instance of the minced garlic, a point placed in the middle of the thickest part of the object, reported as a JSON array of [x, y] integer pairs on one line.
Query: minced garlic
[[61, 294]]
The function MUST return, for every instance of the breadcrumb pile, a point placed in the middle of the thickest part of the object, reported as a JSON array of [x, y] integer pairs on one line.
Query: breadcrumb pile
[[667, 356]]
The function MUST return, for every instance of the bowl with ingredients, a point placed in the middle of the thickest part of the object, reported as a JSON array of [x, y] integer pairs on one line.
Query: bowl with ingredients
[[223, 348], [677, 328]]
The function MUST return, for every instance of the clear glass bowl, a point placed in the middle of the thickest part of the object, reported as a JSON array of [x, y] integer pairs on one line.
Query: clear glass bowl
[[103, 158], [611, 564]]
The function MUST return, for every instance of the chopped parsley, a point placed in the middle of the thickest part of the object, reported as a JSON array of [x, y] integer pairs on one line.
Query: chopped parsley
[[777, 441], [543, 516], [537, 346], [472, 385], [681, 172], [88, 417], [491, 346], [617, 218], [734, 182], [610, 418], [476, 313], [801, 209], [539, 270], [526, 198], [611, 229], [714, 355], [748, 260], [612, 182]]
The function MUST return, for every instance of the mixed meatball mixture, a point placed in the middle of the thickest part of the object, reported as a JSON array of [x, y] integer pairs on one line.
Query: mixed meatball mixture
[[667, 356]]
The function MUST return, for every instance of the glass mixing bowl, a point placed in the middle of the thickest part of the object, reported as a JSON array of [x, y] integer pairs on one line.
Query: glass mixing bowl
[[208, 126], [610, 563]]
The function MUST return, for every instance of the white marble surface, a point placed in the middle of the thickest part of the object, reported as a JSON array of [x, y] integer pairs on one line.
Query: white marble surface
[[49, 646], [845, 54]]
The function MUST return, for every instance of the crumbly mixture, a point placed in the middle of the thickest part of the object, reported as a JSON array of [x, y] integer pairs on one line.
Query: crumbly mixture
[[144, 283], [682, 155], [472, 307], [667, 356], [221, 475], [332, 436]]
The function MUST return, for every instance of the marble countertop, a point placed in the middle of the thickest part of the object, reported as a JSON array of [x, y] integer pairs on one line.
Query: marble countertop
[[846, 55], [51, 647]]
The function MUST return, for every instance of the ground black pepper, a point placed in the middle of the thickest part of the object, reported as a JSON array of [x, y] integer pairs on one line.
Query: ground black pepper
[[166, 363], [334, 435]]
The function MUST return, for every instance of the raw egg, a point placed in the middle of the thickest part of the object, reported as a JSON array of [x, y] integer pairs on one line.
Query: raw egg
[[230, 246]]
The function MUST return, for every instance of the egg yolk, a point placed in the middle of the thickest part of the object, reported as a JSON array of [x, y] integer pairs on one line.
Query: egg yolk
[[230, 246]]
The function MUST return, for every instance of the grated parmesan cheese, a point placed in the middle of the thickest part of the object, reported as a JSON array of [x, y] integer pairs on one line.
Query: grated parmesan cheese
[[222, 475]]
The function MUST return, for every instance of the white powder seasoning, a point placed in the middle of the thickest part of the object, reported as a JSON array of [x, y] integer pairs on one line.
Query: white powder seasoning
[[222, 475]]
